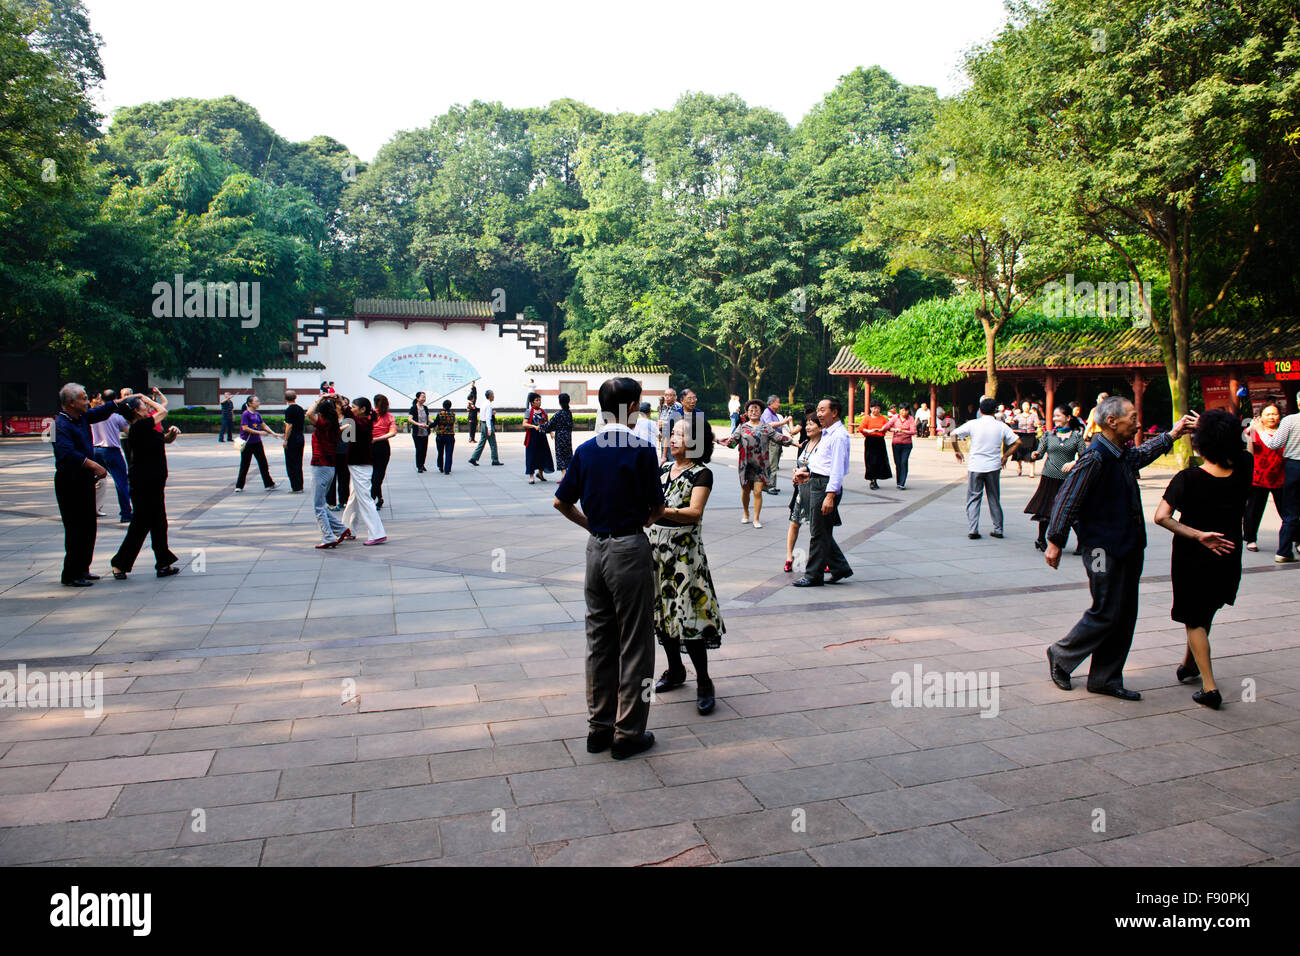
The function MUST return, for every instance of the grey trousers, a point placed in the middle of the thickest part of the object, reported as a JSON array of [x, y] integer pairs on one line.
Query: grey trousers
[[822, 549], [488, 438], [620, 634], [1106, 629], [978, 485]]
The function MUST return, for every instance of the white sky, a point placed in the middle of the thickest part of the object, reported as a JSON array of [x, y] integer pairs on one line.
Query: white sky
[[360, 70]]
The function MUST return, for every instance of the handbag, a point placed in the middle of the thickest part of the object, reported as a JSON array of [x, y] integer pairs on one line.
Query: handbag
[[240, 442]]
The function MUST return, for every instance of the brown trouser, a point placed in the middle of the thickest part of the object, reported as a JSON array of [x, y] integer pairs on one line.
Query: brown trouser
[[620, 634]]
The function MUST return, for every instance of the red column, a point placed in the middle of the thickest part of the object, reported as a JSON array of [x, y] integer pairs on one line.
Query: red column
[[934, 404], [1139, 387], [866, 396], [1050, 401], [853, 389]]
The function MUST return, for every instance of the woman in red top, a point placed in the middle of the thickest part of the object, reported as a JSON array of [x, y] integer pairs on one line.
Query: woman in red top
[[903, 425], [872, 431], [1267, 478], [380, 451], [324, 420]]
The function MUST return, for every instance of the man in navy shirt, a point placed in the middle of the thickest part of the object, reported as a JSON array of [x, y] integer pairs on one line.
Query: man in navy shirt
[[75, 474], [616, 477]]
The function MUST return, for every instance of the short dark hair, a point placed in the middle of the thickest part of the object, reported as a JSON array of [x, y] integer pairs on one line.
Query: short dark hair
[[754, 401], [362, 403], [616, 394], [835, 405], [108, 395], [563, 399], [532, 397], [381, 404], [446, 404], [1218, 437], [988, 406], [699, 438]]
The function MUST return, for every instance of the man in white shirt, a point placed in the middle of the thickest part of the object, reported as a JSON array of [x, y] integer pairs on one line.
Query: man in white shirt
[[991, 444], [923, 421], [826, 470], [489, 431]]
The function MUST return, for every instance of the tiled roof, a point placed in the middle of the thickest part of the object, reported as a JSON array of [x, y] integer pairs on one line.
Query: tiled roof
[[1244, 342], [293, 366], [422, 308], [848, 363], [609, 369]]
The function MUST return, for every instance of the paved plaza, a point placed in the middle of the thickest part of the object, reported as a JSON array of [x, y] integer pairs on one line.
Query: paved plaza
[[423, 702]]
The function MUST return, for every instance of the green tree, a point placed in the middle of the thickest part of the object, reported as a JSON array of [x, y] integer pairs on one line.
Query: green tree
[[1168, 129]]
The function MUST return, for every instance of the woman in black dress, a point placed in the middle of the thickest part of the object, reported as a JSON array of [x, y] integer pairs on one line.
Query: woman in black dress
[[1206, 566], [537, 450], [876, 456], [148, 477], [1061, 446], [561, 426]]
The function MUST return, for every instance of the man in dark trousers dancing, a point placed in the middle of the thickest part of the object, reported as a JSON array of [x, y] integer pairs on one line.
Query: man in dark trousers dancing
[[1101, 500], [616, 477]]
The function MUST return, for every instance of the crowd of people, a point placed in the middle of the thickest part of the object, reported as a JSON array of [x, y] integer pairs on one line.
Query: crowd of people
[[641, 484]]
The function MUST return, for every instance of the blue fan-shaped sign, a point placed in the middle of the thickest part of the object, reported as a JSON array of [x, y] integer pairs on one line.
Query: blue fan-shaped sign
[[431, 369]]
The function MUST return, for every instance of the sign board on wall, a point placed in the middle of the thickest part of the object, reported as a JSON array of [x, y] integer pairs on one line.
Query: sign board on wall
[[1267, 390], [1216, 393], [436, 371]]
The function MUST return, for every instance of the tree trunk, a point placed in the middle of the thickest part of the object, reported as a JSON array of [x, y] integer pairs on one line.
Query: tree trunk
[[1176, 344], [990, 360]]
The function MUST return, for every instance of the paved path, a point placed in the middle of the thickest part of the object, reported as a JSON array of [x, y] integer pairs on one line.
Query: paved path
[[423, 703]]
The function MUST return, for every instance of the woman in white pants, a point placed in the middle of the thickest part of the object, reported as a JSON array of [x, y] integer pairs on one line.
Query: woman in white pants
[[361, 513]]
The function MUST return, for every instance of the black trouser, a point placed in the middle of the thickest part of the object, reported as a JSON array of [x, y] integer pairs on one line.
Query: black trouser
[[901, 454], [1106, 629], [293, 461], [253, 449], [342, 483], [148, 517], [822, 550], [227, 432], [421, 450], [380, 453], [74, 490], [1255, 506], [446, 445]]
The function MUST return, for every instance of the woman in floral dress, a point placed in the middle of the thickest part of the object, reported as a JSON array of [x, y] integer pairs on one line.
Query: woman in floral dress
[[753, 436], [686, 605], [561, 426]]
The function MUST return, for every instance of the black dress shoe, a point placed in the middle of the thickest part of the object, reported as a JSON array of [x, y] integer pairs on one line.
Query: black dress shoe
[[168, 572], [79, 583], [1186, 673], [91, 577], [1123, 693], [875, 486], [1208, 698], [837, 578], [1040, 545], [807, 582], [974, 535], [704, 697], [622, 749], [669, 681], [995, 534], [1059, 677], [773, 491], [473, 462], [598, 741]]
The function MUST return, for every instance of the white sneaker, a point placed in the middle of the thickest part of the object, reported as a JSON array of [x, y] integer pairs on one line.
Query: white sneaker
[[744, 519], [757, 525], [239, 491]]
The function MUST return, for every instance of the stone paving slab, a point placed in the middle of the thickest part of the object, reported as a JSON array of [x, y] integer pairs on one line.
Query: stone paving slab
[[417, 705]]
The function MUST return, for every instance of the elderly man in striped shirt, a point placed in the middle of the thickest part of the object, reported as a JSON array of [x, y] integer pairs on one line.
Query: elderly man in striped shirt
[[1101, 500]]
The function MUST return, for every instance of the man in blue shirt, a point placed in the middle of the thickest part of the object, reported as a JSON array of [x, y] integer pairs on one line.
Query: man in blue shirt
[[75, 474], [615, 476]]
